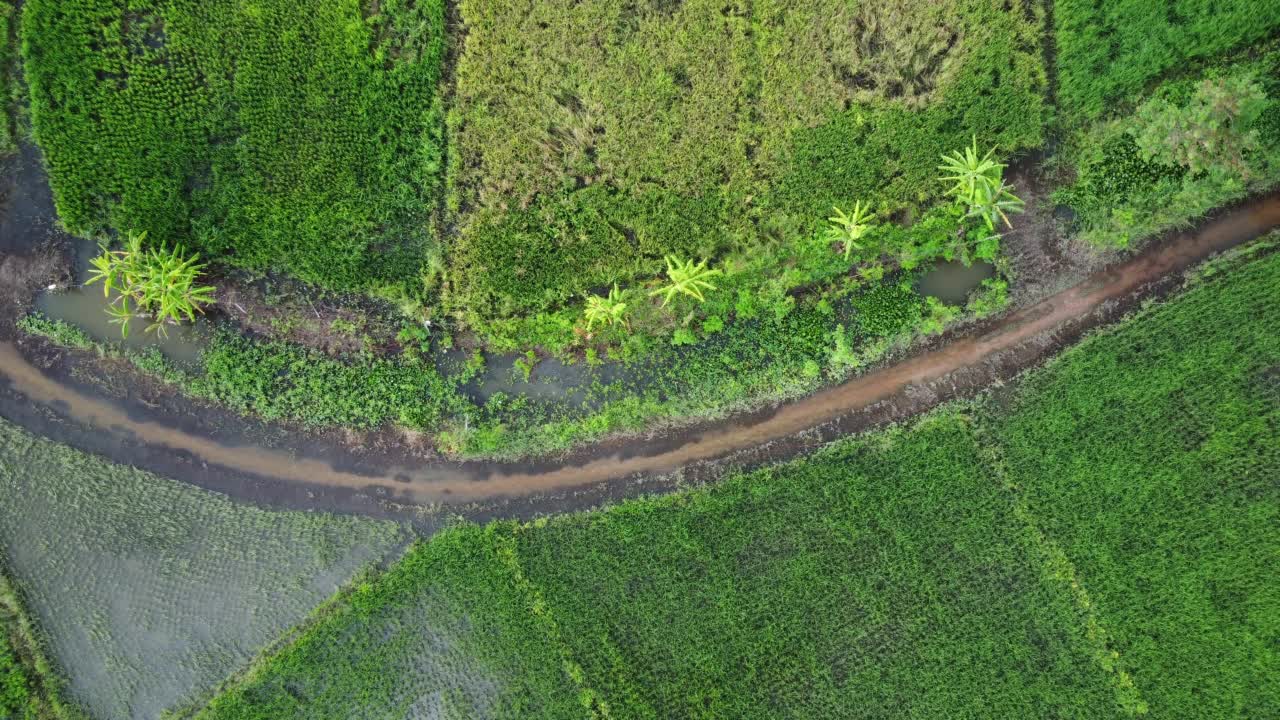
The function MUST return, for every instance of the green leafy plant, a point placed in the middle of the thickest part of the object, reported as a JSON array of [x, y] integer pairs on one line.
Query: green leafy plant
[[979, 185], [607, 311], [686, 278], [159, 284], [970, 172], [1214, 129], [993, 202], [850, 229]]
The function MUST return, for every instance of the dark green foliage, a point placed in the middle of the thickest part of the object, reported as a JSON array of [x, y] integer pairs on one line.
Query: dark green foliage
[[280, 381], [8, 63], [1150, 455], [887, 309], [1117, 173], [59, 331], [304, 136], [1109, 52], [1122, 194], [16, 702]]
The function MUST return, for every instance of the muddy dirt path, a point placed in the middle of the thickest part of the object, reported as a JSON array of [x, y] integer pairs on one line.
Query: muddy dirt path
[[967, 362]]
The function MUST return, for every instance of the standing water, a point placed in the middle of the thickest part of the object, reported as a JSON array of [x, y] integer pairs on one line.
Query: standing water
[[951, 282], [26, 210]]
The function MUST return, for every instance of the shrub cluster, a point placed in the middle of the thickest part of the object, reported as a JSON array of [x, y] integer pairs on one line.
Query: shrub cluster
[[1108, 53]]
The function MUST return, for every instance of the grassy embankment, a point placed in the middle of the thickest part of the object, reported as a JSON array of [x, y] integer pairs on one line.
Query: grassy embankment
[[1057, 557], [30, 687]]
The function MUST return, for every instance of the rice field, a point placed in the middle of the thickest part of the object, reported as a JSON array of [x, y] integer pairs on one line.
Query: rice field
[[1100, 548], [149, 591]]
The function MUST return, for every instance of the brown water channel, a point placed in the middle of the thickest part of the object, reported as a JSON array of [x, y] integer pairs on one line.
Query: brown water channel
[[964, 363]]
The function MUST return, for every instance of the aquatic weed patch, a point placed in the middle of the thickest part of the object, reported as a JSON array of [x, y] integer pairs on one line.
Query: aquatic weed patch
[[150, 591], [270, 135]]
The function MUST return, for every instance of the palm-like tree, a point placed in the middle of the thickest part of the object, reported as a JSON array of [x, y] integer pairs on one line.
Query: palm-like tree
[[850, 229], [686, 278], [993, 202], [607, 311], [970, 172]]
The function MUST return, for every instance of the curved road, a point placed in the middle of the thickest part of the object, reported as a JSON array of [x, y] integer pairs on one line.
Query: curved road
[[461, 483]]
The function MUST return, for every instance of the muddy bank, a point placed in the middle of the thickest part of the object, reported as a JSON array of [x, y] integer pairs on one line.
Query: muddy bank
[[326, 476]]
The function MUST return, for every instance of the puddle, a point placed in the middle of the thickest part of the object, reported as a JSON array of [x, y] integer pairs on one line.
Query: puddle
[[951, 282], [86, 308]]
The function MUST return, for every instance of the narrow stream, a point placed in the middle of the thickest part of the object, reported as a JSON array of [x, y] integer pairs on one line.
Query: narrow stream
[[458, 483]]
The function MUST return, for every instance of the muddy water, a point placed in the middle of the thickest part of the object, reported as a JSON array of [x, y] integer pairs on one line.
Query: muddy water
[[86, 307], [457, 483], [951, 282]]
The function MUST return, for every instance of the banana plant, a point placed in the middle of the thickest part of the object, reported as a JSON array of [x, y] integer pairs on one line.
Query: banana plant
[[607, 311], [159, 283], [970, 172], [993, 203], [850, 229], [686, 278]]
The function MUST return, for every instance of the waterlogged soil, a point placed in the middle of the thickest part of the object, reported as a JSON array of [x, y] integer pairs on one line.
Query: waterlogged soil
[[326, 473]]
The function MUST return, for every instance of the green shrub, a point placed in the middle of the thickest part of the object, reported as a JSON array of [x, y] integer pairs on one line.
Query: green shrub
[[1108, 53], [1177, 157], [157, 283], [279, 381], [60, 332]]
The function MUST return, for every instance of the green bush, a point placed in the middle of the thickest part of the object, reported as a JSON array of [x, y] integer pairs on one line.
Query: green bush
[[303, 137], [1186, 150], [280, 381], [1108, 53]]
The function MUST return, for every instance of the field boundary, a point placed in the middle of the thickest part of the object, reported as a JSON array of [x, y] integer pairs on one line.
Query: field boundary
[[1057, 567]]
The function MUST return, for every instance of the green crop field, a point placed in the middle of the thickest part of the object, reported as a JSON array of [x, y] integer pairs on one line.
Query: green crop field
[[303, 137], [150, 591], [1150, 455], [595, 137], [1099, 549]]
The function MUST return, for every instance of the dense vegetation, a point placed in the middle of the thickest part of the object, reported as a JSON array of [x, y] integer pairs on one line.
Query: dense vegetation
[[593, 138], [1014, 565], [29, 687], [1110, 52], [150, 591], [8, 70], [1193, 144], [300, 137], [1150, 455]]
